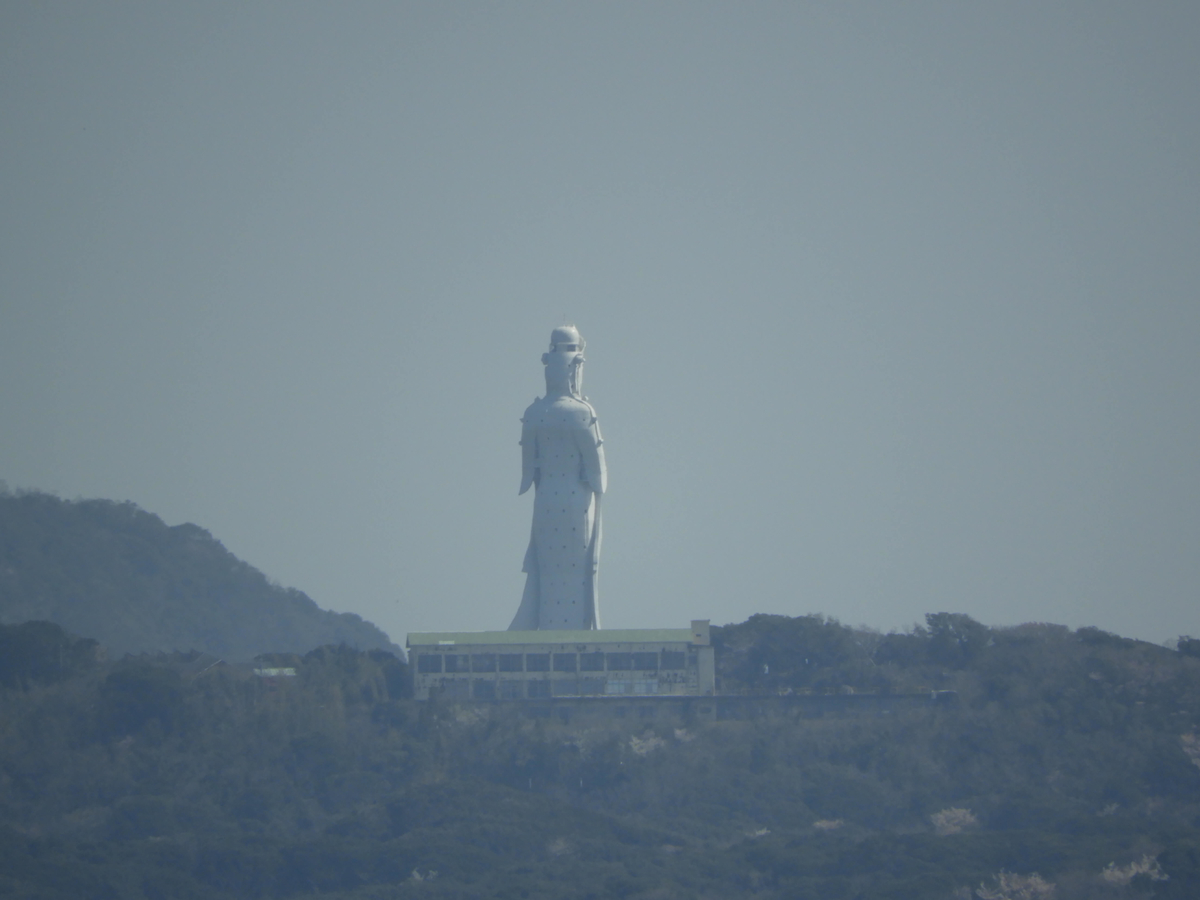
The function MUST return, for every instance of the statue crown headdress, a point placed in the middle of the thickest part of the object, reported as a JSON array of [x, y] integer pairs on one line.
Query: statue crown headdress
[[566, 337]]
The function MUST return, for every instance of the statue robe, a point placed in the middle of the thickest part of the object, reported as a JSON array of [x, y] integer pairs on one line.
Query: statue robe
[[562, 457]]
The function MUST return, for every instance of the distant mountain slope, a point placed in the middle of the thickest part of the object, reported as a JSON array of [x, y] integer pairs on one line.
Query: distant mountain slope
[[117, 573]]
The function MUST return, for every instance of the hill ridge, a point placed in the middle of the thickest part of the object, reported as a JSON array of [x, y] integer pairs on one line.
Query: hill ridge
[[117, 573]]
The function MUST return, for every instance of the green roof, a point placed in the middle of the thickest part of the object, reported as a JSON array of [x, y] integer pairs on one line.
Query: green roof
[[601, 636]]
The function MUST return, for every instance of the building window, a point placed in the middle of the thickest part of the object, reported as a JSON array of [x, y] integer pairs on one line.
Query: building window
[[538, 688], [537, 662], [429, 662], [511, 662], [591, 686], [620, 662], [511, 690], [591, 662], [484, 689], [565, 662], [647, 662], [565, 687], [483, 662], [674, 659], [457, 663]]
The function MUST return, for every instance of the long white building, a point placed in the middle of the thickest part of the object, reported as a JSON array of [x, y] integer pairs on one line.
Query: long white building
[[520, 665]]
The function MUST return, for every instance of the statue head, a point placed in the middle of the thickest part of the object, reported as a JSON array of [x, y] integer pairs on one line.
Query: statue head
[[564, 362]]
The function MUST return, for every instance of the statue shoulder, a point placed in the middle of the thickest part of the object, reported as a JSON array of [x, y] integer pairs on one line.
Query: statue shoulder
[[537, 406], [560, 412], [580, 412]]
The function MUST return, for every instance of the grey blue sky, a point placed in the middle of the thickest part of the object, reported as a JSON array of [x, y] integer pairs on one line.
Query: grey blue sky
[[891, 308]]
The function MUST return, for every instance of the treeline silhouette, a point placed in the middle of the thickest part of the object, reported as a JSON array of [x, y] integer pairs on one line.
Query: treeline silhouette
[[1070, 764]]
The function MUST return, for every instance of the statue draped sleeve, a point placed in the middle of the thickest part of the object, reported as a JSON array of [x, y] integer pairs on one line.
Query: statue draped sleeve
[[591, 452], [595, 474], [526, 618], [529, 473]]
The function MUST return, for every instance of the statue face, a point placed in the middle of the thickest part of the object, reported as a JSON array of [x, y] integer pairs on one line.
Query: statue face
[[559, 364], [564, 362]]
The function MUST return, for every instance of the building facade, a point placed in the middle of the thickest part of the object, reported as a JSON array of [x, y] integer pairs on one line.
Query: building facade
[[521, 665]]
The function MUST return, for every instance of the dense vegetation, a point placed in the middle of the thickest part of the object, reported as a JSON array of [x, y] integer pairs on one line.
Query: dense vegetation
[[120, 575], [1069, 764]]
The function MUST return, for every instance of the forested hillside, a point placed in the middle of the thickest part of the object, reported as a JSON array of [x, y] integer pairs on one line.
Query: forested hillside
[[118, 574], [1069, 767]]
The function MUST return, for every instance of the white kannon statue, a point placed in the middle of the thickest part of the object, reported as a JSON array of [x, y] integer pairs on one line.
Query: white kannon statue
[[562, 456]]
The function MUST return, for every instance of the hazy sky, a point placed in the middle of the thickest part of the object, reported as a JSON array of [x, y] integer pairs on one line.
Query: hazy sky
[[891, 308]]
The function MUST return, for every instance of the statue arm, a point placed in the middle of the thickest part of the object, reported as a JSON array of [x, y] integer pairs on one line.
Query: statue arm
[[591, 450], [529, 473]]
